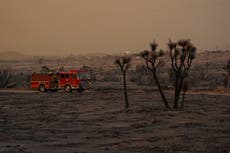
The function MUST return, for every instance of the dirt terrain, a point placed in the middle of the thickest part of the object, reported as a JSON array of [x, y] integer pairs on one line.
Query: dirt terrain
[[95, 121]]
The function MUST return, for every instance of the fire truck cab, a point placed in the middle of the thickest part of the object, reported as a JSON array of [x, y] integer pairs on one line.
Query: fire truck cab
[[71, 80]]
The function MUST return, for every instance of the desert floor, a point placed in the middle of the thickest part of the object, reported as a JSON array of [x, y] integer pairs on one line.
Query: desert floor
[[95, 121]]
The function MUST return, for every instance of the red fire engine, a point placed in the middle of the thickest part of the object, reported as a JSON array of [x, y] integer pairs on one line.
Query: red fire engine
[[74, 79]]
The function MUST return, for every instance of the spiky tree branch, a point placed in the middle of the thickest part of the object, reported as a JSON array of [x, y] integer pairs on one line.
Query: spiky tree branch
[[182, 54], [124, 64], [153, 63]]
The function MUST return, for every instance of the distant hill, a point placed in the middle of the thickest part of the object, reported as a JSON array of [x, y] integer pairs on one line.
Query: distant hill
[[13, 55]]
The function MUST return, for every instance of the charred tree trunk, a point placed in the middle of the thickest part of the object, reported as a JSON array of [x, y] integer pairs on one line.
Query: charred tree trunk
[[160, 90], [175, 105], [124, 64], [178, 88], [125, 91]]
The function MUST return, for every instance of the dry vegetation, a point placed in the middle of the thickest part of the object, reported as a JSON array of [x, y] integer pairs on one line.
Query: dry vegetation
[[95, 121]]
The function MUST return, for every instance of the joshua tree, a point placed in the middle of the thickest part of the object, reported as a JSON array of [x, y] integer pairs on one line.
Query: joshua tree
[[185, 87], [182, 54], [124, 64], [226, 76], [153, 63], [227, 67]]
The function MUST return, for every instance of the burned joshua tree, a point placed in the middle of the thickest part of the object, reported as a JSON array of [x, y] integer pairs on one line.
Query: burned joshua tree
[[182, 54], [124, 64], [227, 75], [153, 63]]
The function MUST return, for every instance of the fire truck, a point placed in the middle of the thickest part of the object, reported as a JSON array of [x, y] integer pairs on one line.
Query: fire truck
[[72, 80]]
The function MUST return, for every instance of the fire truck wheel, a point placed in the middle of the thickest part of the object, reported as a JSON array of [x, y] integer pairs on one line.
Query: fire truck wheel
[[67, 88], [42, 88]]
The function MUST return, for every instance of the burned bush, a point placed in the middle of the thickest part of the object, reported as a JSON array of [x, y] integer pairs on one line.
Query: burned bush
[[141, 75], [7, 78]]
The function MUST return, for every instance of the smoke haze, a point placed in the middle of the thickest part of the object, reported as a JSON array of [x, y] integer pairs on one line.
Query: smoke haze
[[59, 27]]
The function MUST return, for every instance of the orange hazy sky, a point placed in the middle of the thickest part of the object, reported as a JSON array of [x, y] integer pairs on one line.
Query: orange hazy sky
[[60, 27]]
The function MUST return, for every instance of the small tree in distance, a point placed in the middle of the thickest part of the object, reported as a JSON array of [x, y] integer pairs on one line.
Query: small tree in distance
[[7, 77], [227, 67], [227, 75], [182, 54], [153, 63], [124, 64]]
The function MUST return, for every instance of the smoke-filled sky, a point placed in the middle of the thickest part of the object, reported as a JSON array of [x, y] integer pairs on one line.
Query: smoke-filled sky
[[60, 27]]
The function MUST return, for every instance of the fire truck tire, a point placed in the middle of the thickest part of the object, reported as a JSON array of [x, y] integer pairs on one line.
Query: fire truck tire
[[42, 88], [68, 88]]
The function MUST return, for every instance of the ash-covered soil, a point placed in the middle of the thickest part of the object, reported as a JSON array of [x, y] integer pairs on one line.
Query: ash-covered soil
[[95, 122]]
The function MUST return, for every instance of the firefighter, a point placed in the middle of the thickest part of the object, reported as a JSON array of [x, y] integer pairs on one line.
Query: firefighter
[[54, 82]]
